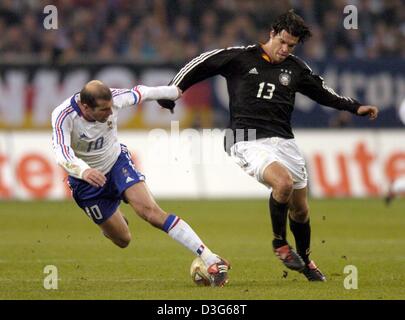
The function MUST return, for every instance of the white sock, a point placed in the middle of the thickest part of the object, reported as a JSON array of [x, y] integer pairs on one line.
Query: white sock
[[180, 231], [399, 185]]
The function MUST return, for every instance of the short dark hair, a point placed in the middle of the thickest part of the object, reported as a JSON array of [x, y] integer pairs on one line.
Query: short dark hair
[[293, 24], [90, 97]]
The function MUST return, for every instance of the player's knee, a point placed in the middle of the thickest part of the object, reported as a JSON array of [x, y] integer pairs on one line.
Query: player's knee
[[123, 240], [284, 188], [300, 215]]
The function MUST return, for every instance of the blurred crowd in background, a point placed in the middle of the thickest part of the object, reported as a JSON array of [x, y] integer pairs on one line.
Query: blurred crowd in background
[[173, 31]]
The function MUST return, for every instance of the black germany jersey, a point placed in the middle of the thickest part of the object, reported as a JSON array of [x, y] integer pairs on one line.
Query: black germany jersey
[[261, 94]]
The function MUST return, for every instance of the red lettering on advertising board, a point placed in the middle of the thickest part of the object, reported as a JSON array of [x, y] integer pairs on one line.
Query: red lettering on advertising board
[[35, 174], [395, 166], [4, 190], [364, 158], [342, 186]]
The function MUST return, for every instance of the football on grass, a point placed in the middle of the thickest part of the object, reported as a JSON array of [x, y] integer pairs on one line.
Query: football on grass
[[199, 273]]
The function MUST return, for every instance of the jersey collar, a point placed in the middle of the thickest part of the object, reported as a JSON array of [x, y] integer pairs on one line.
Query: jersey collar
[[75, 105], [263, 53]]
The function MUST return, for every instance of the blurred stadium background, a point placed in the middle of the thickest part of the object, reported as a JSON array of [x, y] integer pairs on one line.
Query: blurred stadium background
[[125, 43]]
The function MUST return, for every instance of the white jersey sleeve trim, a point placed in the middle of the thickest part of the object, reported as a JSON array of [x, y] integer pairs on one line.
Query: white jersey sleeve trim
[[126, 97], [194, 63], [60, 124], [65, 157]]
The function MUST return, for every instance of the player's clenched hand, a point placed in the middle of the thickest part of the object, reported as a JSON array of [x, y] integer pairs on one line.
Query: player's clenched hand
[[169, 104], [370, 111], [94, 177]]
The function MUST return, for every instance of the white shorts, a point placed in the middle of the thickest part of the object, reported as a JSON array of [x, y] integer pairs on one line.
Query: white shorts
[[254, 156]]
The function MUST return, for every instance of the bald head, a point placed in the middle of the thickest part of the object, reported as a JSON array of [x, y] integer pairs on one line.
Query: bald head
[[93, 91]]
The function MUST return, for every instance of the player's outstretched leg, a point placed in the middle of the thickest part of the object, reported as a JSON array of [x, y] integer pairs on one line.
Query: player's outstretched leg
[[116, 229], [397, 187], [390, 195], [145, 206], [302, 235], [179, 230], [106, 234], [301, 229], [282, 249], [278, 177]]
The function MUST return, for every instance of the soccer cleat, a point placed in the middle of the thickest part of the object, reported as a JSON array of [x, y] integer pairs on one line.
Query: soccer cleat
[[219, 273], [312, 272], [290, 258]]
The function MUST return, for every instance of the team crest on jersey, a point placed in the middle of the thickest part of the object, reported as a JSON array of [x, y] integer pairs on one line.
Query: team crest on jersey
[[125, 172], [285, 77]]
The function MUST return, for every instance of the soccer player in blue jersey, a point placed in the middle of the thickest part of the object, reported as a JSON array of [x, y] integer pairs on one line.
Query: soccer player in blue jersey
[[101, 172]]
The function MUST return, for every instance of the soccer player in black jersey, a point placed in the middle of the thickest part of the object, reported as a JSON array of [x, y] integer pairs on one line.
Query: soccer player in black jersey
[[262, 80]]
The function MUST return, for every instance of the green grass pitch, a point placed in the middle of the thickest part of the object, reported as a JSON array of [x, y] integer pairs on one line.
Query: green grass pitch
[[363, 233]]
